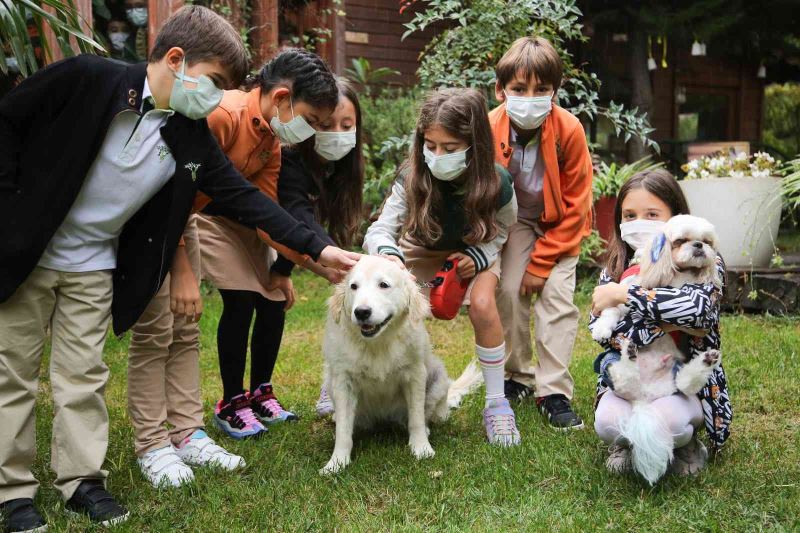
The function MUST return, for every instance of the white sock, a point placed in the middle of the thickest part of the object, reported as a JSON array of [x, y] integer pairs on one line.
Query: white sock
[[492, 362]]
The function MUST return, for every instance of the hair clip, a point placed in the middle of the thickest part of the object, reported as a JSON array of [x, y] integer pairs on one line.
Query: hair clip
[[658, 246]]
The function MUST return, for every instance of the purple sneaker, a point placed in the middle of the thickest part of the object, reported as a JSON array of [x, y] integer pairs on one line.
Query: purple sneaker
[[237, 418], [325, 403], [267, 407], [501, 426]]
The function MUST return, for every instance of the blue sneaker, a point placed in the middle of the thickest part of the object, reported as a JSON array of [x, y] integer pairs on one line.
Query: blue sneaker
[[237, 419], [267, 407]]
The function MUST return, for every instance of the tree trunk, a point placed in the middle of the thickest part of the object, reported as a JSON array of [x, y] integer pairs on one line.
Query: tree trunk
[[641, 91]]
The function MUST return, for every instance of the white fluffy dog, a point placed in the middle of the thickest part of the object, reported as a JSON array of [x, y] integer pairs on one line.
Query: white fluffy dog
[[686, 253], [378, 360]]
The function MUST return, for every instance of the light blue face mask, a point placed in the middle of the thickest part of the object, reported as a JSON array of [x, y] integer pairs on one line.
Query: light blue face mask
[[446, 167], [295, 131], [194, 103]]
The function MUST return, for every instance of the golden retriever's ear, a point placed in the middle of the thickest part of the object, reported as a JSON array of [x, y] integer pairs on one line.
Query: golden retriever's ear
[[336, 302], [418, 306], [657, 266]]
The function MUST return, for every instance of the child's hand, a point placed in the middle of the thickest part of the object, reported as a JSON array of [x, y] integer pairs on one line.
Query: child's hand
[[466, 266], [331, 274], [337, 258], [283, 284], [531, 284], [608, 295], [184, 295]]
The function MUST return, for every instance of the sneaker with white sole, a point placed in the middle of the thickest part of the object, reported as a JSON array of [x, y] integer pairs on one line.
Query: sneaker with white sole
[[21, 516], [500, 423], [199, 449], [164, 467], [324, 403], [93, 500], [267, 407], [237, 419]]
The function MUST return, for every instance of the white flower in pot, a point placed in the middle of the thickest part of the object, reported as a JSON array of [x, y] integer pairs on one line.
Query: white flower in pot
[[740, 195]]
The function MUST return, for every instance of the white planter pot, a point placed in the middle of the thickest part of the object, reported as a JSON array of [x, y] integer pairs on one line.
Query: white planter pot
[[746, 213]]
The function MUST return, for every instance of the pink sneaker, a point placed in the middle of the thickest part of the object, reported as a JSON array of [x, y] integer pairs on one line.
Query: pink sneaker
[[237, 418], [267, 407]]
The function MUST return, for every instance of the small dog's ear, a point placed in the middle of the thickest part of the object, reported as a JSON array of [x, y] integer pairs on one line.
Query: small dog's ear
[[336, 302], [418, 306], [657, 267]]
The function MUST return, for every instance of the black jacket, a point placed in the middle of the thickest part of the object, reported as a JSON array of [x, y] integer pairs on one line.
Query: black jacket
[[51, 129], [297, 193]]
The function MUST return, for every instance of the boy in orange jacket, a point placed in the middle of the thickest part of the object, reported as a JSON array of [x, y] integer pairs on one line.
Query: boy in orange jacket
[[544, 148]]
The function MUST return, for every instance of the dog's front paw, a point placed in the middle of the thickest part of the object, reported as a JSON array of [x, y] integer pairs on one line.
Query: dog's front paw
[[422, 450], [601, 333], [712, 357], [335, 465]]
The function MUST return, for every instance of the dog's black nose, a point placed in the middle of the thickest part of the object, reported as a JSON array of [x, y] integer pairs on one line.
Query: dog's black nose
[[362, 313], [697, 244]]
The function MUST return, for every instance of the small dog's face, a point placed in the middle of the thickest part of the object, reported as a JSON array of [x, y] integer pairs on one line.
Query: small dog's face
[[376, 293], [687, 246], [693, 242]]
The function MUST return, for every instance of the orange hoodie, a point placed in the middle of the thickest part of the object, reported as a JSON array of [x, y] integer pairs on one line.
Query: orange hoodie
[[567, 188], [248, 141]]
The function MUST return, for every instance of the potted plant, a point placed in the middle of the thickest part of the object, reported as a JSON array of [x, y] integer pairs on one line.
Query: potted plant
[[608, 180], [740, 195]]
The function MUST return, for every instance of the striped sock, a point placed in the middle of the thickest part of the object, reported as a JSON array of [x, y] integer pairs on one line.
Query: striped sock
[[493, 366]]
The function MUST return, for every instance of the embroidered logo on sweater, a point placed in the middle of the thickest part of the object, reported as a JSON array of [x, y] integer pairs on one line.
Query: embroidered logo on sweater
[[163, 152], [263, 155], [192, 167]]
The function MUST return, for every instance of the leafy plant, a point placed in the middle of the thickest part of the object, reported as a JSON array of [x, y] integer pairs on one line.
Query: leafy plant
[[592, 247], [59, 15], [480, 31], [790, 184], [609, 178], [367, 77], [782, 117]]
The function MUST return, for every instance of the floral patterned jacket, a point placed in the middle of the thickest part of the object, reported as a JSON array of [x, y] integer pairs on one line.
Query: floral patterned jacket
[[691, 306]]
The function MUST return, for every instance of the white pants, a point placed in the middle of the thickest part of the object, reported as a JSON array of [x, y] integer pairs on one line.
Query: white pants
[[681, 415]]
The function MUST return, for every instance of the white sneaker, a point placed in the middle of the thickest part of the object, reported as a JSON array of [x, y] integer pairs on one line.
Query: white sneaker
[[200, 450], [164, 467]]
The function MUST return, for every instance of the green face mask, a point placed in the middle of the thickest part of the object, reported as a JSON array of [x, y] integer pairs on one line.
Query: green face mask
[[194, 103]]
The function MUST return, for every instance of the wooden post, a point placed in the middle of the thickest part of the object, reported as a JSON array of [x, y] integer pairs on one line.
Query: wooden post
[[334, 49], [158, 11], [264, 37], [84, 8]]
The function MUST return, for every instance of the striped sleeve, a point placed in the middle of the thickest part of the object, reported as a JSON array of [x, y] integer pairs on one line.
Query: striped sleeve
[[383, 234], [485, 254]]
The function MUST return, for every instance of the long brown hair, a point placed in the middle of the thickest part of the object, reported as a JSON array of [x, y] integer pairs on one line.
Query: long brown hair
[[463, 113], [340, 205], [661, 184]]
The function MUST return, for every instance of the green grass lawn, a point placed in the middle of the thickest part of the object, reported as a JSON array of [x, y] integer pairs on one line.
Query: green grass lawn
[[553, 481]]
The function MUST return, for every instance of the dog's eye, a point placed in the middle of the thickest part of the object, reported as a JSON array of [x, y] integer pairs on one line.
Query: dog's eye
[[354, 286], [383, 285], [678, 242]]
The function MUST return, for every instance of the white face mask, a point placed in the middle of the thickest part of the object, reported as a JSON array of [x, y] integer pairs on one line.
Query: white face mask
[[137, 16], [118, 39], [194, 103], [334, 145], [638, 233], [295, 131], [528, 112], [446, 167]]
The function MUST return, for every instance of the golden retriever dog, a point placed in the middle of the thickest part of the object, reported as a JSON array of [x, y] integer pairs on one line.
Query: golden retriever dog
[[378, 360]]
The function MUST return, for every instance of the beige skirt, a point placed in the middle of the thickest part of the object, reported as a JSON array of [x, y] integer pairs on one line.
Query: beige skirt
[[234, 258], [424, 263]]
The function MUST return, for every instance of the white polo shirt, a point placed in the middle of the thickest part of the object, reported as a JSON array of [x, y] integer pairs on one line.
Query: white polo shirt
[[527, 169], [133, 164]]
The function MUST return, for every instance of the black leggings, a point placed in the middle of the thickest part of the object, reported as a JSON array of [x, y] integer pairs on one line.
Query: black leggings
[[232, 332]]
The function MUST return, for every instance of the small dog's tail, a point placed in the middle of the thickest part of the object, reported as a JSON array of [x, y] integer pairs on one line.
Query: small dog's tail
[[650, 441], [469, 380]]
